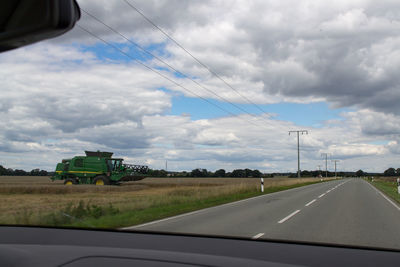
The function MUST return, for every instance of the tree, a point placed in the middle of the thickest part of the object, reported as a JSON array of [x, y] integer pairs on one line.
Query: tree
[[360, 173], [248, 173], [162, 173], [199, 173], [35, 172], [18, 172], [305, 173], [315, 173], [220, 173], [256, 174], [3, 171], [390, 172], [238, 173], [43, 173], [157, 173]]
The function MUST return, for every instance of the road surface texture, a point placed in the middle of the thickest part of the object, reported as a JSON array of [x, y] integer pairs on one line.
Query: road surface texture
[[349, 211]]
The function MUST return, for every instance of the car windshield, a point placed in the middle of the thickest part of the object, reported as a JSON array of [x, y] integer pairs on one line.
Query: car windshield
[[251, 119]]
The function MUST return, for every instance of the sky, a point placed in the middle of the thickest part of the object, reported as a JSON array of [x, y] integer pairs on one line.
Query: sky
[[330, 68]]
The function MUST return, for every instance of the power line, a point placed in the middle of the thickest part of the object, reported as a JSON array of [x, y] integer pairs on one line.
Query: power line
[[195, 58], [162, 75], [167, 64], [298, 149]]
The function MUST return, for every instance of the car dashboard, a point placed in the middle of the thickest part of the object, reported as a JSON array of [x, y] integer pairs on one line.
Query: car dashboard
[[40, 246]]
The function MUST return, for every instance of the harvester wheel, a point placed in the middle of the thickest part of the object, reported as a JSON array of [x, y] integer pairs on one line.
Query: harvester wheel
[[101, 180], [69, 181]]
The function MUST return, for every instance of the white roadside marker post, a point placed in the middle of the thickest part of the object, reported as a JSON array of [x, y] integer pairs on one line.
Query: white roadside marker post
[[398, 185], [262, 184]]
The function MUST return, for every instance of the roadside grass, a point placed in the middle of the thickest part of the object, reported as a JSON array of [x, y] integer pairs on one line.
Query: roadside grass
[[388, 187], [159, 211]]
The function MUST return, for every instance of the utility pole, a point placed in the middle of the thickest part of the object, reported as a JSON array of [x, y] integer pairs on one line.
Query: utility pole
[[166, 165], [335, 160], [298, 148], [319, 170], [326, 163]]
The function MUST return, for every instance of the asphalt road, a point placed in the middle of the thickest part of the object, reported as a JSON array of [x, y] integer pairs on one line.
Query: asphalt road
[[348, 211]]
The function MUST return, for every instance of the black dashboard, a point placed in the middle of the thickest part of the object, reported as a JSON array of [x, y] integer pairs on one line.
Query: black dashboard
[[38, 246]]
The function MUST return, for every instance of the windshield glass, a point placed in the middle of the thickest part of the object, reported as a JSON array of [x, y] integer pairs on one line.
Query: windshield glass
[[114, 165], [291, 105]]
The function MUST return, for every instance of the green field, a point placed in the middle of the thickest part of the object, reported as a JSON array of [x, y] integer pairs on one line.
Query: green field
[[38, 201]]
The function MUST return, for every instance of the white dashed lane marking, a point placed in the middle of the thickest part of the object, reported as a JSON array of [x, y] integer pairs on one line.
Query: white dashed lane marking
[[289, 216], [258, 236], [297, 211], [309, 203]]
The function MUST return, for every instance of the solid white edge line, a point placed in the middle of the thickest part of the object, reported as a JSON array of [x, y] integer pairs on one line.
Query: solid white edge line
[[258, 235], [388, 199], [309, 203], [162, 220], [321, 195], [215, 207], [288, 217]]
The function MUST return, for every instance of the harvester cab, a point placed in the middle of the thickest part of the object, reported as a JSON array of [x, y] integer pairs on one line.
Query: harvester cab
[[115, 165], [98, 168]]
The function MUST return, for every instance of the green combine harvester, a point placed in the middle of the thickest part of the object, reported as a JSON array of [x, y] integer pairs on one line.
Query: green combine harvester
[[98, 168]]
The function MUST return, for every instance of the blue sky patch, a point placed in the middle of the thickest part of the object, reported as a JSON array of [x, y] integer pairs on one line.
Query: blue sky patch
[[313, 114], [379, 142], [105, 52]]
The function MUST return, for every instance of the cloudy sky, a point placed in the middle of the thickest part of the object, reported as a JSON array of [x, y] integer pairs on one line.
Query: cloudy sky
[[329, 67]]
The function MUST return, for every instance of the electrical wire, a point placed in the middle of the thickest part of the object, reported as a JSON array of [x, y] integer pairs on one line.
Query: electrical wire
[[195, 58], [165, 63], [162, 75]]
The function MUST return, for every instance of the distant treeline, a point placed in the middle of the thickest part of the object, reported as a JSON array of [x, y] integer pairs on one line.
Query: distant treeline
[[240, 173], [18, 172], [243, 173], [205, 173]]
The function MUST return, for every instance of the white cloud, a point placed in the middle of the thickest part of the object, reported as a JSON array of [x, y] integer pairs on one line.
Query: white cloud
[[355, 150], [375, 123]]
